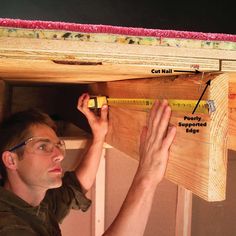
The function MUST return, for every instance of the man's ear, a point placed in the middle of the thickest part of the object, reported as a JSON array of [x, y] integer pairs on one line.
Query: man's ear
[[9, 160]]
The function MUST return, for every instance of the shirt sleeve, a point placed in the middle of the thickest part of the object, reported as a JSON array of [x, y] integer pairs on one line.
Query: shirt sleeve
[[68, 196]]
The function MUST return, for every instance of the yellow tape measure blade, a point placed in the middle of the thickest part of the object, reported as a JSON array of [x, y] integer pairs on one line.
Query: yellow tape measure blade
[[131, 102], [145, 104]]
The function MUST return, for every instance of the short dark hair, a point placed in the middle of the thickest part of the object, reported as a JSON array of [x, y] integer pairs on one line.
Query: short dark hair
[[16, 129]]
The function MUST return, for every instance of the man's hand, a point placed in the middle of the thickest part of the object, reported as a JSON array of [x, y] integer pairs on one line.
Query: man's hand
[[155, 141], [98, 124]]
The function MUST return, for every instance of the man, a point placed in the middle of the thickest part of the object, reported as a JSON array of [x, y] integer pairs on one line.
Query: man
[[34, 196]]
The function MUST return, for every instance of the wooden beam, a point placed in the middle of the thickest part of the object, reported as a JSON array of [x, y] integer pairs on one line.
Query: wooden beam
[[197, 160], [74, 71]]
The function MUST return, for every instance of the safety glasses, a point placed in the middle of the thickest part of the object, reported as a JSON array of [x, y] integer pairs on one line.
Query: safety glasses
[[41, 146]]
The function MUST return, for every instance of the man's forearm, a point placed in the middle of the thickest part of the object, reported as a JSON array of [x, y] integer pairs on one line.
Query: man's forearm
[[87, 169], [135, 210]]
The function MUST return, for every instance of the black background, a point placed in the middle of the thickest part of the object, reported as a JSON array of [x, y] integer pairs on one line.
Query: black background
[[202, 16]]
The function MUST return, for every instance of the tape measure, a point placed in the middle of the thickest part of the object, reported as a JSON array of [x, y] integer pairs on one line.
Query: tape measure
[[204, 107]]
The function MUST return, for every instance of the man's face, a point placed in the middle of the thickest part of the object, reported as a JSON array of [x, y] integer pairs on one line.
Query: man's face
[[39, 170]]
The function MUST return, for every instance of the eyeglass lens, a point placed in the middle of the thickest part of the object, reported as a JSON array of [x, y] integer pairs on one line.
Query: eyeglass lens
[[45, 146]]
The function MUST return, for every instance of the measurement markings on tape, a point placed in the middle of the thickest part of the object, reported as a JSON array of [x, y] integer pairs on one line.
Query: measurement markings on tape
[[204, 107]]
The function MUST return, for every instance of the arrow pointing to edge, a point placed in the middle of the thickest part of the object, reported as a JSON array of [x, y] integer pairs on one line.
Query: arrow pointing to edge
[[207, 84], [189, 71]]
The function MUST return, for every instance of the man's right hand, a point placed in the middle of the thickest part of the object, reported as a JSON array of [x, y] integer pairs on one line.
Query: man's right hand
[[155, 142]]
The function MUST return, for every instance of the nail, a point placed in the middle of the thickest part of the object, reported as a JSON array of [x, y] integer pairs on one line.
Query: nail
[[104, 107]]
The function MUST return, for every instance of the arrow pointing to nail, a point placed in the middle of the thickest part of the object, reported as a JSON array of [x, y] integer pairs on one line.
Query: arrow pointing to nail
[[188, 71], [207, 84]]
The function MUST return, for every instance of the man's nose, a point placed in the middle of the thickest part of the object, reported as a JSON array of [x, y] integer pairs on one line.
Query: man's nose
[[58, 156]]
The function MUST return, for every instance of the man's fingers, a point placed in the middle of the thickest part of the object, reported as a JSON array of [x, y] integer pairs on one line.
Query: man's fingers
[[151, 117], [169, 137], [164, 123], [152, 113], [156, 117], [159, 114], [82, 100], [83, 107], [104, 112]]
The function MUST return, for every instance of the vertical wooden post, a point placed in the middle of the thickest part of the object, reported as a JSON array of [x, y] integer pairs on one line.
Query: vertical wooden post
[[183, 212], [98, 196]]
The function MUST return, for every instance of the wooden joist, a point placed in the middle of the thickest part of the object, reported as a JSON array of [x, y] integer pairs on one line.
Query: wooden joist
[[198, 160]]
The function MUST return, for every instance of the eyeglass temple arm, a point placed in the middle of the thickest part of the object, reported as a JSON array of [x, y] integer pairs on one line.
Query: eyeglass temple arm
[[17, 146]]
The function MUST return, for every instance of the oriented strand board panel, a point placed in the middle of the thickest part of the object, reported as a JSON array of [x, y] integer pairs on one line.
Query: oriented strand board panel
[[198, 157]]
